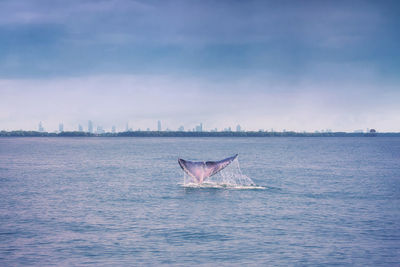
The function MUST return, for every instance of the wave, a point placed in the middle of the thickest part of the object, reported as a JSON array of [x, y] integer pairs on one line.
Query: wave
[[222, 186]]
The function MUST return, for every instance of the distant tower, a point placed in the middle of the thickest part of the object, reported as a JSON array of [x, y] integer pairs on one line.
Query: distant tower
[[238, 128], [61, 127], [113, 129], [80, 128], [90, 127], [100, 130], [159, 126], [127, 127], [199, 128], [40, 127]]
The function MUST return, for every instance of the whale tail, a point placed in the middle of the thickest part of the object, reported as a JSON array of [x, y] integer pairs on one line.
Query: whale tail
[[202, 170]]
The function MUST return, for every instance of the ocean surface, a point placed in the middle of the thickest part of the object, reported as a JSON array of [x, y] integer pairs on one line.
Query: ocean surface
[[120, 202]]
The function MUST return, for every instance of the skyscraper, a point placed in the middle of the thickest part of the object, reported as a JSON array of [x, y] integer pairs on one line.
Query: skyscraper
[[90, 127], [238, 128], [80, 128], [159, 126], [61, 127], [113, 129], [199, 128], [40, 127], [181, 129], [100, 129]]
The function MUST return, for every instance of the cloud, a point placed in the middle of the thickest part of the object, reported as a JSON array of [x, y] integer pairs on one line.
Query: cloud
[[197, 22], [67, 38], [261, 64]]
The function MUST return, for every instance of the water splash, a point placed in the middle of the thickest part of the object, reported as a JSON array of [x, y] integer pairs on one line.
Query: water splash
[[230, 177]]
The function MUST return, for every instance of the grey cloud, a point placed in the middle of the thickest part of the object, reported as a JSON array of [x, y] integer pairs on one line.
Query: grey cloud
[[198, 21]]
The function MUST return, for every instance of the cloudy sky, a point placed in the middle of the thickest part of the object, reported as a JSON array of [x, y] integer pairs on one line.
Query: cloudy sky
[[294, 65]]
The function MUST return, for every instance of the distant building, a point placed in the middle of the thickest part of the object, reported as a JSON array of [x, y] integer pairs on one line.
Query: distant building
[[113, 129], [100, 130], [238, 128], [80, 128], [181, 129], [61, 127], [127, 127], [371, 133], [359, 131], [159, 126], [90, 126], [199, 128], [40, 127]]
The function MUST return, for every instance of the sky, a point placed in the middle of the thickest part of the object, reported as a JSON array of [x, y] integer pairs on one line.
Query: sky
[[293, 65]]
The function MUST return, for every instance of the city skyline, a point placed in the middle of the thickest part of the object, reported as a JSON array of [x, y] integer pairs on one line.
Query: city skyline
[[298, 66], [197, 128]]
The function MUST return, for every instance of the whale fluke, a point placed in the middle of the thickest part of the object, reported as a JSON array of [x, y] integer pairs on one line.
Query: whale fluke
[[202, 170]]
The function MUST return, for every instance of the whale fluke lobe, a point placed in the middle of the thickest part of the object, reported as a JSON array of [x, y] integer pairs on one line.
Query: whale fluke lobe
[[202, 170]]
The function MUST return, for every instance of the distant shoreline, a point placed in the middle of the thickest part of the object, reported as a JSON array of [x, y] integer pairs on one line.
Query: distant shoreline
[[192, 134]]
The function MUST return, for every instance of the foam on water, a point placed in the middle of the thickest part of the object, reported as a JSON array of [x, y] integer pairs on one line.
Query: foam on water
[[221, 186], [231, 178]]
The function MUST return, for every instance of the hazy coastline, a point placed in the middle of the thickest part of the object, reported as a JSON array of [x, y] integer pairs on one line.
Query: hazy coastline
[[193, 134]]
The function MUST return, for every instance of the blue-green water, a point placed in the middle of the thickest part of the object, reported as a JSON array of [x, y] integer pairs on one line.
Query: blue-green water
[[117, 201]]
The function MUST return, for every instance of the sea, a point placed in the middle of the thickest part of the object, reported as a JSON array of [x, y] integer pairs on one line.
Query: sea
[[115, 201]]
